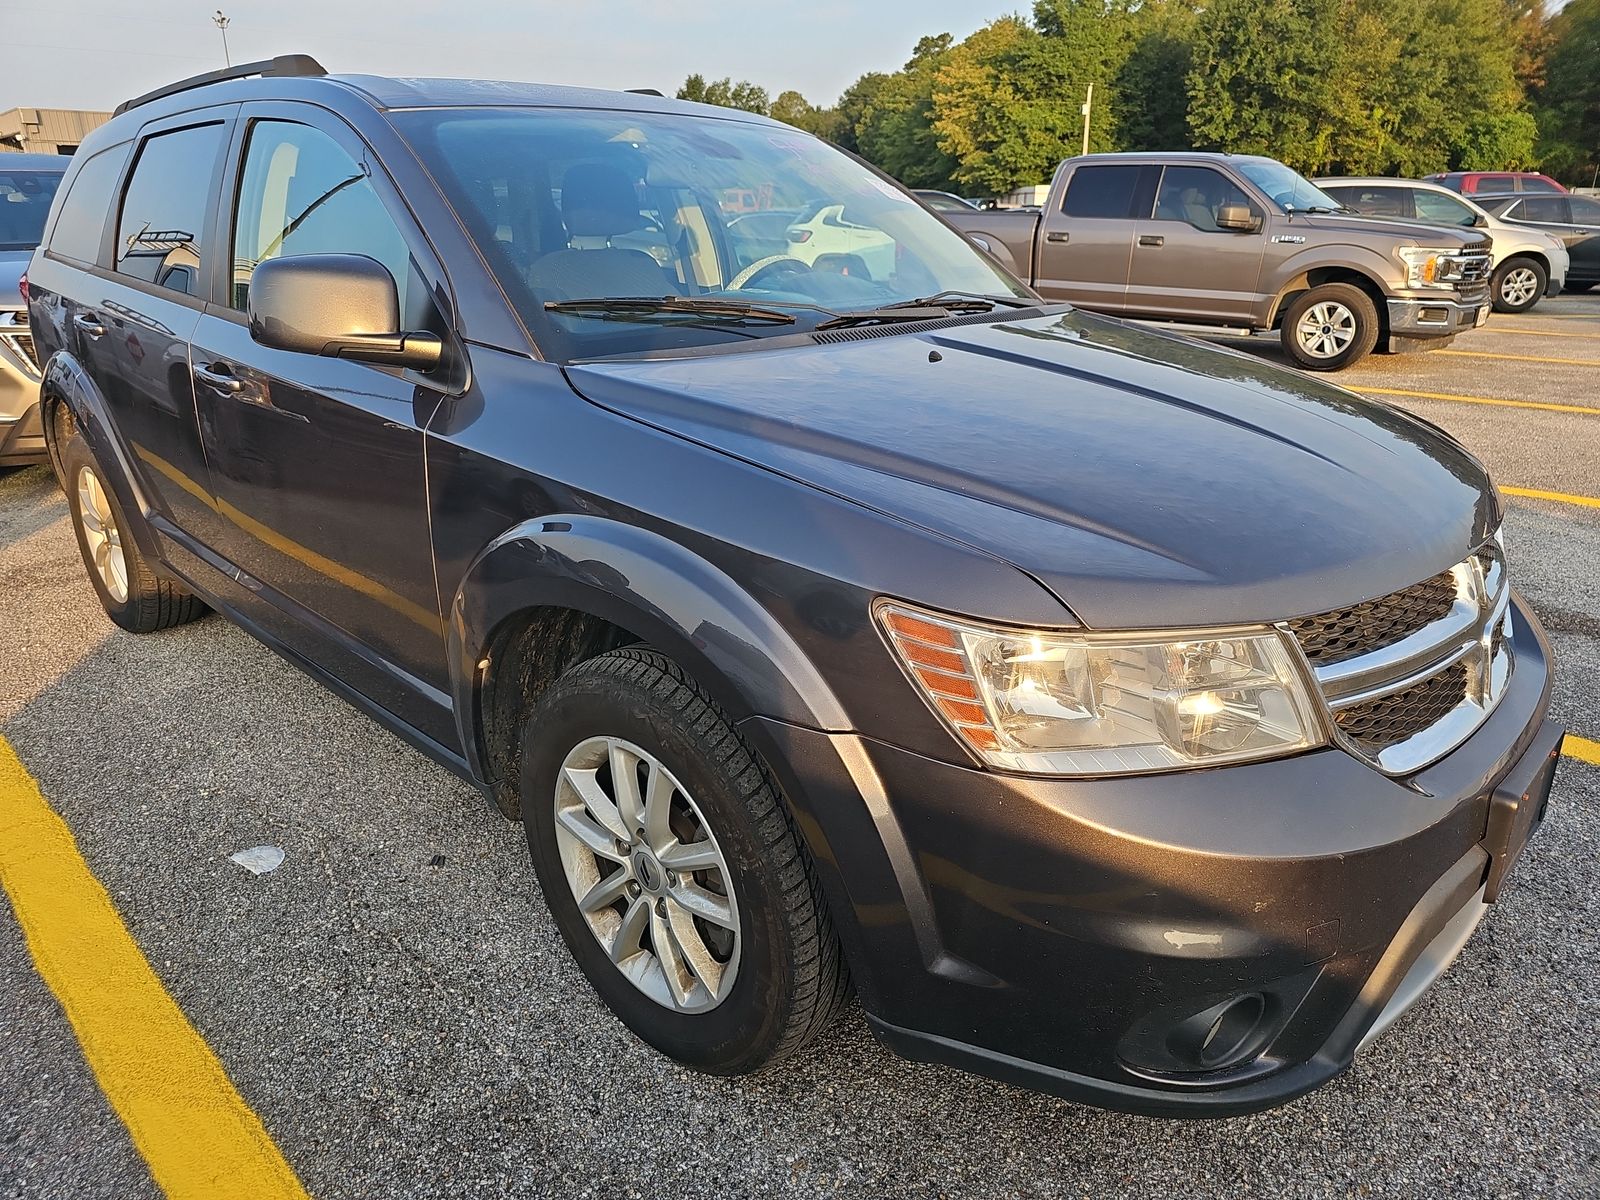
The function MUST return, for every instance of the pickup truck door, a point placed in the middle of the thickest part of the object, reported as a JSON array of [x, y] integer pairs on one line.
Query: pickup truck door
[[1185, 265], [1085, 237]]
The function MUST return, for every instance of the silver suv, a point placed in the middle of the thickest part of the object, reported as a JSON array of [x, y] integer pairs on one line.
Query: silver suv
[[28, 185]]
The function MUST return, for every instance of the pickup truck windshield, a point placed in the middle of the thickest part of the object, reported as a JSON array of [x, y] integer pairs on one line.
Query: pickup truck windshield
[[1292, 191], [25, 198], [572, 208]]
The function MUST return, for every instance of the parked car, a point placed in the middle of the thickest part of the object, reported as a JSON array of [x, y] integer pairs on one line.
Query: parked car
[[760, 235], [1244, 242], [1135, 720], [942, 202], [825, 233], [27, 187], [1471, 183], [1573, 219], [1527, 264]]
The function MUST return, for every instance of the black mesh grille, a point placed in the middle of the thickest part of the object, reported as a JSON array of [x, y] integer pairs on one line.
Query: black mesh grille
[[1380, 723], [21, 344], [1332, 637]]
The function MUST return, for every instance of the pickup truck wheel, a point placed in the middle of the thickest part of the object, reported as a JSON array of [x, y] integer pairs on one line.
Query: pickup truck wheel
[[131, 593], [1330, 327], [671, 867], [1518, 283]]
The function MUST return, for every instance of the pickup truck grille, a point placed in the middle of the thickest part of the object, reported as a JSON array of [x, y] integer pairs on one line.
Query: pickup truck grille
[[1407, 677], [15, 338], [1474, 266]]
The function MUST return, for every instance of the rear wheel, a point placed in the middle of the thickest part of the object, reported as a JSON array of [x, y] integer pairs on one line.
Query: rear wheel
[[130, 592], [671, 867], [1517, 285], [1330, 327]]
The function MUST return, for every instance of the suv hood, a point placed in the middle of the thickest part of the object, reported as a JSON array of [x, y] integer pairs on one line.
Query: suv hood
[[1146, 479], [1440, 236]]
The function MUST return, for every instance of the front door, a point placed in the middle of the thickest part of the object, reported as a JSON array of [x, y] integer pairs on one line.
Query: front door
[[317, 463], [1185, 264]]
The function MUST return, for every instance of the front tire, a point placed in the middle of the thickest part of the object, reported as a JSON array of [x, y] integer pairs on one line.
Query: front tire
[[1517, 285], [671, 867], [1330, 327], [133, 595]]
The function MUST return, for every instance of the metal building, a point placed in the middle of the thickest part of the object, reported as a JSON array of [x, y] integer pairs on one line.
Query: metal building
[[47, 130]]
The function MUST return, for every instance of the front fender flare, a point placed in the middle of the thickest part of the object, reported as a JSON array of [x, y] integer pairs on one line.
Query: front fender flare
[[650, 586]]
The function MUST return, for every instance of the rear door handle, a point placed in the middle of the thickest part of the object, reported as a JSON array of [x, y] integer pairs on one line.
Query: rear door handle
[[1152, 239], [220, 381], [1058, 235], [90, 325]]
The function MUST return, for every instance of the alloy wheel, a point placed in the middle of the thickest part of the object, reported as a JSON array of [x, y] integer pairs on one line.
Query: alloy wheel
[[648, 876], [1326, 330], [1519, 287], [101, 534]]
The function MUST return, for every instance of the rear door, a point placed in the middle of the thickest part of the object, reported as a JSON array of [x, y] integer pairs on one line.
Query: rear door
[[1184, 264], [317, 463], [1585, 244], [139, 304], [1085, 242]]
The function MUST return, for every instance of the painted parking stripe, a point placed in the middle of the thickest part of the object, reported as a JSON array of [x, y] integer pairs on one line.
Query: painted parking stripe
[[199, 1138], [1519, 332], [1531, 358], [1558, 497], [1545, 405], [1581, 749]]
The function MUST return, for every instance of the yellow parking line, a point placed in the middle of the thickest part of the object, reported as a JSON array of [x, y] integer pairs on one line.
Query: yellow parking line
[[1581, 749], [1510, 331], [200, 1139], [1546, 405], [1559, 497], [1560, 362]]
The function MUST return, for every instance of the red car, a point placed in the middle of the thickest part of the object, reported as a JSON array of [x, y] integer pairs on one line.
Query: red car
[[1469, 183]]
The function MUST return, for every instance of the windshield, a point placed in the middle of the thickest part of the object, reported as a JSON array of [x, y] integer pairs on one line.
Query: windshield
[[1292, 191], [571, 206], [25, 198]]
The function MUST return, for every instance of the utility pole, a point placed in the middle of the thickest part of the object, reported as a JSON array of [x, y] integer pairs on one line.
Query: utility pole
[[1088, 106], [221, 22]]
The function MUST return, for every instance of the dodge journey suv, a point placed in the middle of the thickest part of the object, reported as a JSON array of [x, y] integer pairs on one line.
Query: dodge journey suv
[[1112, 714]]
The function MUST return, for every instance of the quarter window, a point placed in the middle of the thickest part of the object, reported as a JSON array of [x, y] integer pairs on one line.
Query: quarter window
[[82, 223], [164, 208], [301, 193], [1102, 191]]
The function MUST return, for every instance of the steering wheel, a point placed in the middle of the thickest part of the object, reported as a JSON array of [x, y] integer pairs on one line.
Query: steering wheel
[[762, 265]]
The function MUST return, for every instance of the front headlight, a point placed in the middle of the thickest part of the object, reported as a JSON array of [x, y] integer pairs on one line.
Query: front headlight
[[1056, 703], [1427, 268]]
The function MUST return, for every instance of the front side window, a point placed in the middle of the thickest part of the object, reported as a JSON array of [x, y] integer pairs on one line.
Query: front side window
[[1194, 195], [1104, 192], [25, 198], [1584, 210], [164, 208], [716, 230], [1437, 209], [301, 193]]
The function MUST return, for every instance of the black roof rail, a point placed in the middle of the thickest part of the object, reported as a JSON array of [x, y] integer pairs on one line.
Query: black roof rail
[[643, 92], [284, 65]]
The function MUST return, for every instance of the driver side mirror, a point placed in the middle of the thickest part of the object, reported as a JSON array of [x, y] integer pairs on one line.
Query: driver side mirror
[[1479, 221], [336, 306], [1238, 217]]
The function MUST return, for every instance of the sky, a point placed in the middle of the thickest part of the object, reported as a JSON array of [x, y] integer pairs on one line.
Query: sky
[[93, 54]]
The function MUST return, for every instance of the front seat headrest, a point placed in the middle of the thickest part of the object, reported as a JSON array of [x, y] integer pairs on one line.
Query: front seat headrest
[[598, 200]]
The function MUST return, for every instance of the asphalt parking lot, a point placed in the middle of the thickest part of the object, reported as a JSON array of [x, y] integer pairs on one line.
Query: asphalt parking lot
[[397, 1008]]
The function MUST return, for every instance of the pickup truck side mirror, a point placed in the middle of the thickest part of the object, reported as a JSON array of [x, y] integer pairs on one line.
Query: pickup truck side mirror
[[1238, 217], [336, 306]]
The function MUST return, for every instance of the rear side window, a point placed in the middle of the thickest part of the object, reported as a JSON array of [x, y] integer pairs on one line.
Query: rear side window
[[164, 208], [1372, 201], [1543, 208], [82, 221], [1102, 191], [1442, 210]]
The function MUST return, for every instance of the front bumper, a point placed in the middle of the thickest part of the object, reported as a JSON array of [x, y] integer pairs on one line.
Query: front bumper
[[1064, 935], [21, 436], [1440, 315]]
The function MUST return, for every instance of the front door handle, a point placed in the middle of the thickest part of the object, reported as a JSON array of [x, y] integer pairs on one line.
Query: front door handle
[[1058, 235], [1152, 239], [220, 381], [90, 325]]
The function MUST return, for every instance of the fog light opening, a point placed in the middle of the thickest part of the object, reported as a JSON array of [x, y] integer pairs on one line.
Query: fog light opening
[[1232, 1032]]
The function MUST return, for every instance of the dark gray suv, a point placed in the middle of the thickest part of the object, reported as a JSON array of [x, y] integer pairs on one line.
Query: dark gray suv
[[1111, 713]]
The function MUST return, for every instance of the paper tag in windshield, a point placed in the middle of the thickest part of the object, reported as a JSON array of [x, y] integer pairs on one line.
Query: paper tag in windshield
[[889, 190]]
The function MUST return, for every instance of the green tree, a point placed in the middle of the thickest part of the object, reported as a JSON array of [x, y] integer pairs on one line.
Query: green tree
[[893, 119], [1149, 105], [725, 92], [1569, 102]]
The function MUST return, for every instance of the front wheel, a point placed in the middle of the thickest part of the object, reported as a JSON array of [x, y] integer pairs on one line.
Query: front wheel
[[1517, 285], [1330, 327], [671, 867]]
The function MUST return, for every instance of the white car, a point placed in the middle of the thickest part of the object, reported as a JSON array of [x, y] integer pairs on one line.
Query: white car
[[1527, 264], [824, 230]]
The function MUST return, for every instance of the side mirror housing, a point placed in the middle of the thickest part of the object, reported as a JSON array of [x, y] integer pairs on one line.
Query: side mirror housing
[[336, 306], [1238, 217], [1479, 221]]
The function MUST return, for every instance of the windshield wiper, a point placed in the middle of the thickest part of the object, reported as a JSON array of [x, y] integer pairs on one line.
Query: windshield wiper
[[959, 301], [631, 308], [927, 308], [1318, 210]]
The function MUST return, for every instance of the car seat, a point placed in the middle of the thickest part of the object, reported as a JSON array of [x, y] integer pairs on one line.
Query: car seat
[[598, 203]]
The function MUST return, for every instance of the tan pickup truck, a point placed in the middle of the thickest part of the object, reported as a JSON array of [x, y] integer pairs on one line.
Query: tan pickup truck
[[1245, 242]]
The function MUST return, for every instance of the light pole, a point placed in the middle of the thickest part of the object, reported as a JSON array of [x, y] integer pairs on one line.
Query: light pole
[[221, 22], [1088, 105]]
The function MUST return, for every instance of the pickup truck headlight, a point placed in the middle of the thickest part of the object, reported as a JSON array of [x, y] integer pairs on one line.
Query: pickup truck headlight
[[1057, 703], [1427, 268]]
